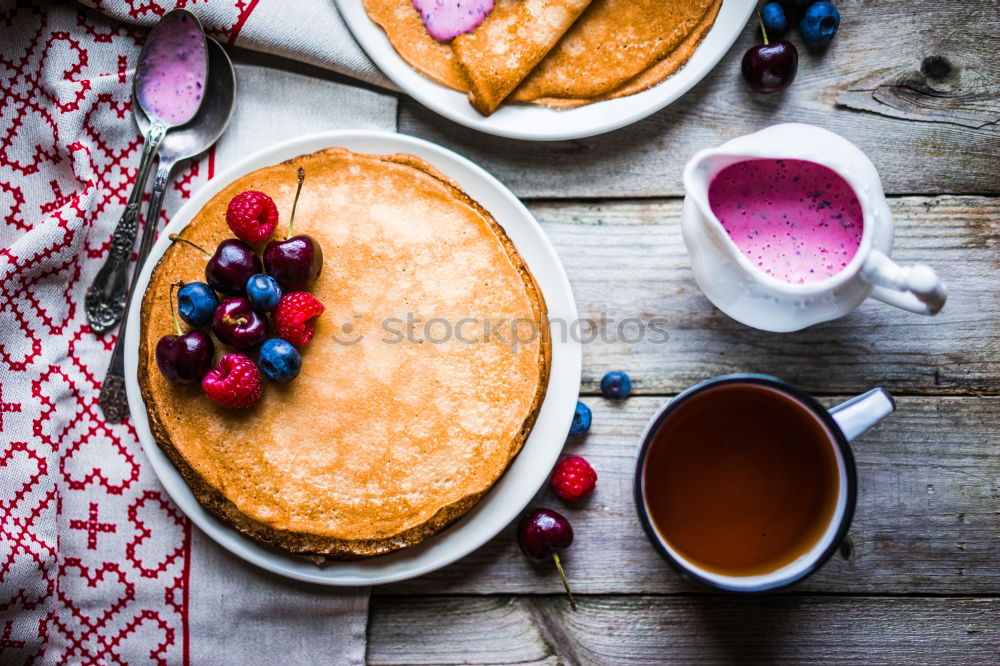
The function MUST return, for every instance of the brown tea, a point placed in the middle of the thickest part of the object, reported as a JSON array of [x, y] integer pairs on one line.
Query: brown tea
[[741, 479]]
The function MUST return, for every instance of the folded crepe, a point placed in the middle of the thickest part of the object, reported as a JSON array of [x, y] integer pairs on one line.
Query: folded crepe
[[509, 43], [402, 25], [617, 48]]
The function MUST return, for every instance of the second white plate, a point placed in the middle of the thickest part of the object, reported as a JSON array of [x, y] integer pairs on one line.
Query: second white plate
[[539, 123], [528, 471]]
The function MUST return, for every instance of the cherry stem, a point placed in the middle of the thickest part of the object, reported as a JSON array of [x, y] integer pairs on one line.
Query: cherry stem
[[173, 310], [175, 237], [762, 30], [298, 191], [569, 593]]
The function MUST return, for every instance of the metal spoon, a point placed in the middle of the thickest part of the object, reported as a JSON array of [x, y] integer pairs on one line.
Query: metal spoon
[[179, 30], [178, 146]]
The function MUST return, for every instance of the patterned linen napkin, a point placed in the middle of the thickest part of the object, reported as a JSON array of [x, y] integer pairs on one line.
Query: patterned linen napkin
[[97, 566], [308, 30]]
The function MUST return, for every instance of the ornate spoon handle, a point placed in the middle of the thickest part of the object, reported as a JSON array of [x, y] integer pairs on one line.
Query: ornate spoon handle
[[113, 399], [105, 299]]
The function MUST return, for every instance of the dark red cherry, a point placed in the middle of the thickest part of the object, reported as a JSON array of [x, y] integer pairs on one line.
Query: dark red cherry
[[769, 68], [294, 262], [237, 324], [542, 533], [233, 263], [185, 359]]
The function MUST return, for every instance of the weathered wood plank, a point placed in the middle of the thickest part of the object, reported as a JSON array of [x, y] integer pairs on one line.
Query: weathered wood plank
[[504, 627], [686, 630], [919, 96], [927, 521], [626, 260]]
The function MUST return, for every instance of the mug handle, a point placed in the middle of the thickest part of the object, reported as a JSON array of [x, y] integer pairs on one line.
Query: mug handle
[[914, 288], [862, 412]]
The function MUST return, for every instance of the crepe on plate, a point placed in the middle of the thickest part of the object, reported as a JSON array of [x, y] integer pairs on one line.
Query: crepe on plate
[[613, 49], [389, 434], [502, 51]]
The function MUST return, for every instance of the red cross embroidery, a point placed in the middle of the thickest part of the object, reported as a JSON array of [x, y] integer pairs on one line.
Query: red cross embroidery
[[60, 200], [5, 640], [92, 526], [7, 407]]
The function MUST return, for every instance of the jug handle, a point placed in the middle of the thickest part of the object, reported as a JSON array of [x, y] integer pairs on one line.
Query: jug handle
[[914, 288], [862, 412]]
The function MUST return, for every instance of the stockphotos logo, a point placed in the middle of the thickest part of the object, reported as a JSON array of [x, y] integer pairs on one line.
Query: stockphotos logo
[[514, 333]]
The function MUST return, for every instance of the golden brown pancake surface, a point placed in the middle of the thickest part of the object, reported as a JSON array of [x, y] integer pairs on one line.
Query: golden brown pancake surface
[[612, 42], [381, 440], [401, 22], [652, 75], [614, 48], [502, 51]]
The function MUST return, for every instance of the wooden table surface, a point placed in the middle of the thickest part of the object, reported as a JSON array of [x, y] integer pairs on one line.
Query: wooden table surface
[[917, 86]]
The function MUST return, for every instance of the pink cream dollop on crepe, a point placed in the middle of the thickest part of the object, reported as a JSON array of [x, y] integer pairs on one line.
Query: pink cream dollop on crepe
[[446, 19]]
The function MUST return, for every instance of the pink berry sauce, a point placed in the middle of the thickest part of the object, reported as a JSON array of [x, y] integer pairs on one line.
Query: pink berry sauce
[[171, 76], [446, 19], [795, 220]]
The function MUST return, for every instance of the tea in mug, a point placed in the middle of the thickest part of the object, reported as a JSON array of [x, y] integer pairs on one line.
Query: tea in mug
[[742, 479]]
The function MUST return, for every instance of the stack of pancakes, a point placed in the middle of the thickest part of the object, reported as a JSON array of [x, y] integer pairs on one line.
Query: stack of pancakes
[[393, 429], [561, 53]]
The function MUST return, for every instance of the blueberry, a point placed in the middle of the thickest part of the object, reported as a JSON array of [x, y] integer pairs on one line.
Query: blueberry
[[279, 360], [581, 420], [616, 385], [196, 302], [263, 292], [775, 22], [819, 24]]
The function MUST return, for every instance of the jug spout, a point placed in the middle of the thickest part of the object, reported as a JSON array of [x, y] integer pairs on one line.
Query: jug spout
[[862, 412]]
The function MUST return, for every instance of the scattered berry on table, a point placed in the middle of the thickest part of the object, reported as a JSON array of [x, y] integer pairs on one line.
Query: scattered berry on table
[[581, 420], [252, 216], [573, 478], [263, 292], [234, 382], [769, 67], [616, 385], [775, 21], [196, 302], [542, 533], [819, 23], [279, 360], [294, 318]]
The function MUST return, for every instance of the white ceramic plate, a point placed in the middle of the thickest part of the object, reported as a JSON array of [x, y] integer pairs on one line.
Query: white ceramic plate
[[540, 123], [531, 467]]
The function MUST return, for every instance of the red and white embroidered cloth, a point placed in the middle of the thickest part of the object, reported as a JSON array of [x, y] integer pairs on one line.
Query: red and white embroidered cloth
[[97, 566]]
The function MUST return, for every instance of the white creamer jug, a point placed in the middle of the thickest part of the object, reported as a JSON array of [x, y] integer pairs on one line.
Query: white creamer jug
[[746, 293]]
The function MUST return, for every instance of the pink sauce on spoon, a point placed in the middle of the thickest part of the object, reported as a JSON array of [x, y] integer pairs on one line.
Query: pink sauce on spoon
[[170, 79]]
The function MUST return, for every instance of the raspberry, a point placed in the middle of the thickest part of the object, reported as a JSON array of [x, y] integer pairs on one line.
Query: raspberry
[[573, 478], [293, 318], [234, 382], [252, 216]]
